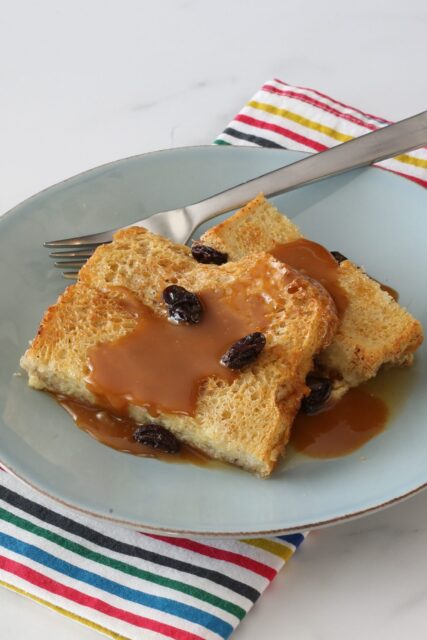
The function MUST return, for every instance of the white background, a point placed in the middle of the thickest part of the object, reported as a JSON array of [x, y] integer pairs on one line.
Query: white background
[[86, 82]]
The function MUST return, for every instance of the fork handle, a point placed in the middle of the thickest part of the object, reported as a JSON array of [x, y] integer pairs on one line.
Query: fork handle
[[383, 143]]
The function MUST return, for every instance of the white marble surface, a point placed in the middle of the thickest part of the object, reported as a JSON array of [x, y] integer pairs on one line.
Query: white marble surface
[[85, 82]]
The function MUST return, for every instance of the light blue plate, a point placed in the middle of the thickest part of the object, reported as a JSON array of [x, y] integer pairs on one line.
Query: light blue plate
[[376, 218]]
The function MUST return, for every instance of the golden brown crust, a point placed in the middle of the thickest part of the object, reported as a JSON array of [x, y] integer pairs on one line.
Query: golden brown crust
[[375, 330], [251, 229]]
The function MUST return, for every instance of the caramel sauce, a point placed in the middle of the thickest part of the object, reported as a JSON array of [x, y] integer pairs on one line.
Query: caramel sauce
[[313, 260], [117, 432], [335, 432], [342, 428], [355, 419], [160, 365], [391, 292]]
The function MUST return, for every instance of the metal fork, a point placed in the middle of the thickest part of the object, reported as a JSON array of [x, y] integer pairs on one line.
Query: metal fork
[[180, 224]]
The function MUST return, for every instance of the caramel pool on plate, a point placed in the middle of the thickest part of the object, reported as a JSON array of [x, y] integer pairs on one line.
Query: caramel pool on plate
[[337, 431], [117, 432], [362, 414]]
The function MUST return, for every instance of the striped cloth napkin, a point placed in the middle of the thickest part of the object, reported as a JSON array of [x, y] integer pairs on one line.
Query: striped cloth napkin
[[284, 116], [134, 586]]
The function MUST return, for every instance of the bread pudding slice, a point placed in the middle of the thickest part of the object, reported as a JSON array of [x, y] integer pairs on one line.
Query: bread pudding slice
[[94, 344]]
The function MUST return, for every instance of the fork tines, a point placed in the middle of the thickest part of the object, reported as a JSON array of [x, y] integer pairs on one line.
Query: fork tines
[[72, 260]]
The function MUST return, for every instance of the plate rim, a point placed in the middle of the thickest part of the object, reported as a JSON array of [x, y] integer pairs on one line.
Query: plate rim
[[144, 528], [177, 531]]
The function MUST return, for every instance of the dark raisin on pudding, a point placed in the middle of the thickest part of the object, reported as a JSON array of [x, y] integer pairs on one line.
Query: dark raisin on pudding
[[208, 255], [244, 351], [320, 390], [339, 257], [183, 306], [174, 293], [156, 437]]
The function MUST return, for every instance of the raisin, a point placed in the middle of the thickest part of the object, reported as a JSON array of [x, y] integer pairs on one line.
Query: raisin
[[338, 256], [320, 390], [174, 293], [187, 311], [184, 306], [156, 437], [244, 351], [208, 255]]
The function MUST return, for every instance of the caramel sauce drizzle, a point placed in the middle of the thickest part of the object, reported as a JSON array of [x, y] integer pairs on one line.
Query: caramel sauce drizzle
[[313, 260], [391, 292], [338, 430], [117, 432], [160, 365]]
